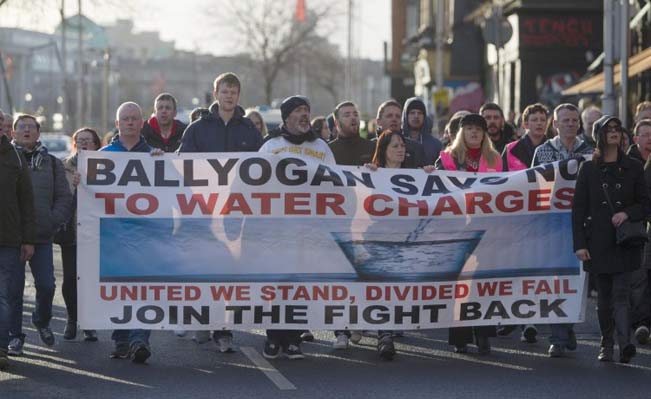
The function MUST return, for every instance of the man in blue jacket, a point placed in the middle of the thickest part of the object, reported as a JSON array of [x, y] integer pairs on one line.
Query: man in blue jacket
[[418, 127], [128, 120], [223, 129]]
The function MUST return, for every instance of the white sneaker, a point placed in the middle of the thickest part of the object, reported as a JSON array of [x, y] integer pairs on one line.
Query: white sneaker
[[355, 337], [225, 344], [341, 342]]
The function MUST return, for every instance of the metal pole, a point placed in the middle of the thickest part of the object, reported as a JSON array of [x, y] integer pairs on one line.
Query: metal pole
[[623, 60], [105, 89], [80, 71], [64, 71], [608, 98], [349, 57], [440, 17]]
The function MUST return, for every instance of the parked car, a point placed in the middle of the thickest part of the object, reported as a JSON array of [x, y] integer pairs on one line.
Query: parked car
[[58, 145]]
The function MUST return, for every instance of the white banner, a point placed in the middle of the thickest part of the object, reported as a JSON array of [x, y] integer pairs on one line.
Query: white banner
[[246, 240]]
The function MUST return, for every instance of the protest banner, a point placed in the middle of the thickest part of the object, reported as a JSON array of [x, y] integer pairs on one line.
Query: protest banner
[[242, 240]]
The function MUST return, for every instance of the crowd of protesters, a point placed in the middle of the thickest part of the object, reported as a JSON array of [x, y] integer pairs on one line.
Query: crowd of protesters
[[38, 205]]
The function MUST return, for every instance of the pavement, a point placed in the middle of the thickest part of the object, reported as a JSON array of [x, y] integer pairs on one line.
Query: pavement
[[425, 367]]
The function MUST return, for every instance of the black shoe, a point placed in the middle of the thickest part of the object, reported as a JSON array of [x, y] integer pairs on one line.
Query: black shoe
[[385, 347], [70, 330], [503, 331], [605, 354], [121, 351], [529, 334], [627, 354], [293, 352], [556, 350], [307, 337], [571, 342], [271, 350], [140, 353], [46, 335], [460, 349], [90, 335]]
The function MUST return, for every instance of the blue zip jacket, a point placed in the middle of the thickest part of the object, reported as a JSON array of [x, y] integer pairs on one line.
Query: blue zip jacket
[[116, 146]]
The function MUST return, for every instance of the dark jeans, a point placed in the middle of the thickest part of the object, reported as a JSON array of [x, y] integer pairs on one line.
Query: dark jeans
[[42, 267], [9, 267], [284, 338], [641, 298], [460, 336], [613, 308], [69, 287]]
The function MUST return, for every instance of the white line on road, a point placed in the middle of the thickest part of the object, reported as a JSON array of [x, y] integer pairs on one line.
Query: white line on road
[[270, 371]]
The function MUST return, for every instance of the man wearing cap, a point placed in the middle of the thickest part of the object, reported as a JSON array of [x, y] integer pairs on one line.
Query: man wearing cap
[[295, 137], [418, 127]]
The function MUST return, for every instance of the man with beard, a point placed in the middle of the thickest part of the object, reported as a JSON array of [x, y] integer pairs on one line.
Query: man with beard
[[295, 137], [349, 148], [162, 130], [389, 116], [418, 127], [499, 132]]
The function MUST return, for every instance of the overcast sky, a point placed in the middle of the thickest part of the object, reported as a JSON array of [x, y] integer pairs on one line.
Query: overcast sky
[[372, 21]]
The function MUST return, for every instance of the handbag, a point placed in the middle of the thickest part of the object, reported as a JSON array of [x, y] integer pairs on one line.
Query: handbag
[[628, 234]]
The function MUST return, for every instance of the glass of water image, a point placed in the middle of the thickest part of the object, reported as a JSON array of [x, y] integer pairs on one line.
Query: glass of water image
[[391, 256]]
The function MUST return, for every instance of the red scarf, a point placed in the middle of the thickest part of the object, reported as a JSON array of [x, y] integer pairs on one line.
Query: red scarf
[[472, 159], [153, 122]]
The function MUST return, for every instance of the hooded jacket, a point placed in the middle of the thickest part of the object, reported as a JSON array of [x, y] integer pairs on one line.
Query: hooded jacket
[[431, 145], [152, 134], [209, 133], [17, 199]]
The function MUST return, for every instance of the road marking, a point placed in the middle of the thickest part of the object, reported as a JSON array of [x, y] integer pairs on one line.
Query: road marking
[[270, 371]]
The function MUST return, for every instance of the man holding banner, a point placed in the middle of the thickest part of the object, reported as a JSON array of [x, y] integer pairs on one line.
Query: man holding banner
[[296, 137], [128, 120]]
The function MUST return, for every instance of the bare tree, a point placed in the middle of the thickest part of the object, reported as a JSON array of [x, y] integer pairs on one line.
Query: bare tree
[[268, 31]]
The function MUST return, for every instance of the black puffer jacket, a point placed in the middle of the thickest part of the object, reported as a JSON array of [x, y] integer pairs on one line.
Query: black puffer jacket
[[210, 134], [151, 132], [17, 199]]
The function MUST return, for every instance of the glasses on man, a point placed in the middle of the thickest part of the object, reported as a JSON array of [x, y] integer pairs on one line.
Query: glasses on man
[[25, 126]]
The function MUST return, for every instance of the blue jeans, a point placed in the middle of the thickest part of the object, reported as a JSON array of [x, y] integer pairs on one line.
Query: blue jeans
[[42, 267], [560, 334], [131, 337], [9, 264]]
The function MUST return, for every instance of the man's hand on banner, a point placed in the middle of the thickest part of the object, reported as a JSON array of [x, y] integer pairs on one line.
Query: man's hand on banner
[[371, 166], [156, 152], [429, 168], [76, 178], [583, 255]]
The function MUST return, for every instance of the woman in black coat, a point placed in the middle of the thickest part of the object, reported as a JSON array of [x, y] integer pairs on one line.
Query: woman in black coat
[[594, 228]]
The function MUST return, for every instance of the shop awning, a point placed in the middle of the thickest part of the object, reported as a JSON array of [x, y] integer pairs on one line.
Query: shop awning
[[637, 64]]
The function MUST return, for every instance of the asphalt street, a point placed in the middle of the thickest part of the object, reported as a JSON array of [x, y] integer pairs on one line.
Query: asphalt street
[[424, 368]]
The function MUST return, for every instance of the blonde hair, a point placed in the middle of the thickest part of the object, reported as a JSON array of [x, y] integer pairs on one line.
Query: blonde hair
[[459, 149], [252, 111]]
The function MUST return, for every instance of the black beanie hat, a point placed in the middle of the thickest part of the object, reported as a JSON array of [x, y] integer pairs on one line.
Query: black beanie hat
[[474, 120], [416, 103], [291, 103]]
